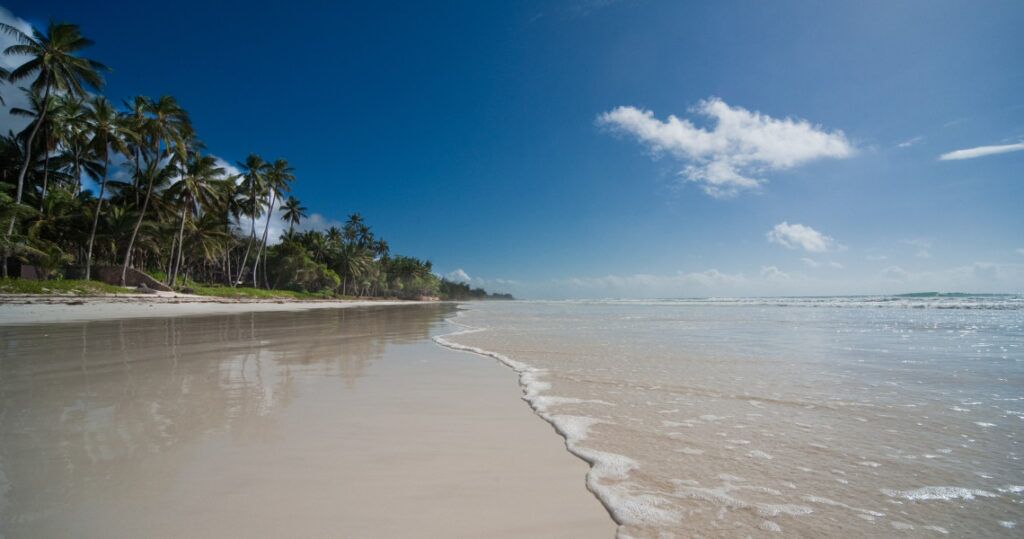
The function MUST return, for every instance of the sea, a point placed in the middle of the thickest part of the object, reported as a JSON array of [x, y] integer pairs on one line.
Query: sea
[[870, 416]]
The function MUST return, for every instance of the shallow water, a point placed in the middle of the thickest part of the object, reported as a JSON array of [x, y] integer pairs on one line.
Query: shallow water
[[810, 417]]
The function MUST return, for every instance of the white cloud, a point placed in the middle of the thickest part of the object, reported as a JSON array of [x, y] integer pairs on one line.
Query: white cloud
[[910, 142], [810, 262], [742, 145], [836, 265], [895, 273], [877, 257], [317, 221], [981, 151], [977, 277], [773, 273], [458, 276], [12, 94], [1020, 251], [794, 236], [923, 247]]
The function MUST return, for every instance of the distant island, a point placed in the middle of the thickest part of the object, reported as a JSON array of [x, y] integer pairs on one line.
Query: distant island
[[165, 214]]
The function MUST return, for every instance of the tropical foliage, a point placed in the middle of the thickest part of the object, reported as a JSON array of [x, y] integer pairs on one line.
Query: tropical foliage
[[90, 183]]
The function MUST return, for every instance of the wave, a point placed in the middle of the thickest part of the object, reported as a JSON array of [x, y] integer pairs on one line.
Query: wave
[[625, 507]]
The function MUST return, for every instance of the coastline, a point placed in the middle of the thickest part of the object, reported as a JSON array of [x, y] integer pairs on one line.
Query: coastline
[[36, 309]]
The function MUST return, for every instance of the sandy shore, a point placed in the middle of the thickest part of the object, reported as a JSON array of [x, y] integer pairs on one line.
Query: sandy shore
[[314, 423], [34, 309]]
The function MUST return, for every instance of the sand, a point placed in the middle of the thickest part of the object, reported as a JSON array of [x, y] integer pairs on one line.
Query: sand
[[313, 423], [33, 309]]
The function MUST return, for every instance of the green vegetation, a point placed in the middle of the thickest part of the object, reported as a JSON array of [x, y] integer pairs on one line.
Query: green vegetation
[[160, 203], [62, 286]]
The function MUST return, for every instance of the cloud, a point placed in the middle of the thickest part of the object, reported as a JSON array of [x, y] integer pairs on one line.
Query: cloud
[[976, 277], [12, 94], [458, 276], [876, 257], [836, 265], [743, 144], [708, 279], [981, 151], [773, 273], [794, 236], [895, 273], [1020, 251], [923, 247], [810, 262], [909, 142]]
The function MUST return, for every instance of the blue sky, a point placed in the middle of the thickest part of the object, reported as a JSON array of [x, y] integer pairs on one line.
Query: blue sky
[[529, 144]]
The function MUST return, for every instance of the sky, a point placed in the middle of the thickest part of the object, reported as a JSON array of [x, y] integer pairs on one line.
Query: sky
[[602, 148]]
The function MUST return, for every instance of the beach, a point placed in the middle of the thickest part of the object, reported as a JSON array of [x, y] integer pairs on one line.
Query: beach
[[133, 418]]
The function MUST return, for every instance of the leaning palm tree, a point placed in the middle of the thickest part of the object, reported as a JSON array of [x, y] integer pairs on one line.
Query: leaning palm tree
[[153, 175], [293, 212], [109, 133], [53, 61], [195, 189], [40, 111], [279, 176], [252, 187]]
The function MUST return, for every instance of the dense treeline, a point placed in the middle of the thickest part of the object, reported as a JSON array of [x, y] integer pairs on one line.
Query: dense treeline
[[157, 202]]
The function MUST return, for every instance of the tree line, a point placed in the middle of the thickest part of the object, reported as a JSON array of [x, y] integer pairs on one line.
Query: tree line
[[159, 203]]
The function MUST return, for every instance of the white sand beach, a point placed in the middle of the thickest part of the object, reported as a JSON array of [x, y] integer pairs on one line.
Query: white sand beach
[[315, 423]]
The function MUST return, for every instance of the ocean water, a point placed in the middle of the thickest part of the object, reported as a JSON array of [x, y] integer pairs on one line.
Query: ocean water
[[841, 417]]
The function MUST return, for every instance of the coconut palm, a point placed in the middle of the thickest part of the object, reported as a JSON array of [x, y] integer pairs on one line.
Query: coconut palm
[[279, 176], [195, 189], [70, 124], [41, 111], [252, 188], [109, 133], [293, 212], [54, 62], [153, 175]]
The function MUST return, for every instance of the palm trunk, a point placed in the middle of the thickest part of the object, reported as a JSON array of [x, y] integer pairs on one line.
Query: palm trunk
[[24, 168], [46, 166], [181, 246], [135, 232], [96, 217], [78, 172], [263, 245], [28, 156], [252, 238]]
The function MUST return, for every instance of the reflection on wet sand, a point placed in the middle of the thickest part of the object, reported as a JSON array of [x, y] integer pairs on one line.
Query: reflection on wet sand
[[85, 405]]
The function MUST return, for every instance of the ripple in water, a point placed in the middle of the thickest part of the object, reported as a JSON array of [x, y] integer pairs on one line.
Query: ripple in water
[[831, 416]]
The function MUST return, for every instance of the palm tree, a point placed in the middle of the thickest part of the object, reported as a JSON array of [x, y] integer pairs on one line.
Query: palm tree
[[71, 125], [279, 176], [293, 212], [195, 189], [40, 111], [253, 184], [109, 132], [53, 59], [352, 262], [154, 174]]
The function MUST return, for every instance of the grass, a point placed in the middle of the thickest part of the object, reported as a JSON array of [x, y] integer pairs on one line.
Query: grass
[[96, 288], [59, 286], [243, 292]]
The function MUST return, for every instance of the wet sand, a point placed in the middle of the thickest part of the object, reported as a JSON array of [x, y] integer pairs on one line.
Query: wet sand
[[316, 423]]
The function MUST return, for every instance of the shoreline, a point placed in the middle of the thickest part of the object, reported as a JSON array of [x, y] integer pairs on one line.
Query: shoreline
[[572, 429], [38, 309]]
